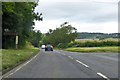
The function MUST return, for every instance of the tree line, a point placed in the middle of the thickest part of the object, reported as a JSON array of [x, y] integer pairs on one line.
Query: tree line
[[18, 17], [62, 35]]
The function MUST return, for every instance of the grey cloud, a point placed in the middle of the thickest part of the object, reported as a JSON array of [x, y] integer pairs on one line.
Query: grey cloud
[[79, 12]]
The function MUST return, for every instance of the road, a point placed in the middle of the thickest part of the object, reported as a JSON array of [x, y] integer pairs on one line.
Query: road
[[66, 64]]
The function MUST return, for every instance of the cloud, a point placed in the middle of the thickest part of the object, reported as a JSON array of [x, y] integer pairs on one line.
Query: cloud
[[79, 11], [107, 27], [87, 12], [46, 25], [51, 1]]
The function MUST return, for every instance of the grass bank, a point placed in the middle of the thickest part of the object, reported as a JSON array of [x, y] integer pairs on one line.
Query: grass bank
[[93, 49], [11, 57]]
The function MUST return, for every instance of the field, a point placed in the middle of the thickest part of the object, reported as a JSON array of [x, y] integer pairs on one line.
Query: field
[[10, 57], [85, 40]]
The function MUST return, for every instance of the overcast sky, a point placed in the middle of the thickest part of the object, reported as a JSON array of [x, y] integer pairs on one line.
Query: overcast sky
[[84, 15]]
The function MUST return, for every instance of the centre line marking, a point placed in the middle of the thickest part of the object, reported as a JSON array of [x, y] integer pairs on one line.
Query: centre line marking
[[70, 57], [63, 54], [82, 63], [100, 74]]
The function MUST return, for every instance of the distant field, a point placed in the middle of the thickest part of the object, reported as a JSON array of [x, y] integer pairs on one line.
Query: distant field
[[93, 49], [85, 40], [111, 39]]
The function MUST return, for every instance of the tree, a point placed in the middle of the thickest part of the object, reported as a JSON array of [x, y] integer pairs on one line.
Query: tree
[[18, 17], [35, 38], [64, 34]]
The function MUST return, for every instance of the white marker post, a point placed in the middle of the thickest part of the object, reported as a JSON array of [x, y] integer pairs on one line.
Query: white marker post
[[16, 41]]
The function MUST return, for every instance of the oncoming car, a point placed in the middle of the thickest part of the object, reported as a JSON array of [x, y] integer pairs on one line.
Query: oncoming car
[[43, 46], [49, 48]]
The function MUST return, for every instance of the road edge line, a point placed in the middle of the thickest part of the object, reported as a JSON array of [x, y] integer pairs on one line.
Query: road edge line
[[20, 65]]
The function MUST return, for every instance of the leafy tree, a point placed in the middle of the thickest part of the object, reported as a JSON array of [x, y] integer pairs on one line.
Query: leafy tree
[[64, 34], [35, 38], [18, 17]]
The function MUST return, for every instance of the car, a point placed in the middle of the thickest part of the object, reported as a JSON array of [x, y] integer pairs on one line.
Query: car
[[49, 48], [43, 46]]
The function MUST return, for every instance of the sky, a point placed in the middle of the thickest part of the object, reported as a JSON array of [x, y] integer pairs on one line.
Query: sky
[[85, 15]]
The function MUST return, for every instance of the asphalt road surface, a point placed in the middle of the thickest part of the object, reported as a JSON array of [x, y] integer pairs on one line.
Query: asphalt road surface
[[66, 64]]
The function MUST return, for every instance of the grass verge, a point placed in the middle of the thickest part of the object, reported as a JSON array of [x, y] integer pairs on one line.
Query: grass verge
[[11, 57], [93, 49]]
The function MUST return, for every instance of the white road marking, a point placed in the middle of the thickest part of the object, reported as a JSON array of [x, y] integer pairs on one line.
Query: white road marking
[[56, 51], [70, 57], [18, 69], [11, 73], [100, 74], [7, 75], [63, 54], [82, 63]]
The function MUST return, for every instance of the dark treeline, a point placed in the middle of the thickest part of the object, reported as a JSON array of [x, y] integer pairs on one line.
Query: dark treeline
[[19, 17], [86, 35]]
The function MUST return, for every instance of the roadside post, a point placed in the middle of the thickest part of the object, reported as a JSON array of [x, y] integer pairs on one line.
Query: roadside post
[[16, 42]]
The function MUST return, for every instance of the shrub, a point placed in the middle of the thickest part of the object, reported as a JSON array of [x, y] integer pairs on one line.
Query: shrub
[[72, 44], [62, 45]]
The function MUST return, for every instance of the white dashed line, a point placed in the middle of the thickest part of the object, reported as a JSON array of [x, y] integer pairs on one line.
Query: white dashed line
[[64, 54], [82, 63], [70, 57], [100, 74], [56, 51]]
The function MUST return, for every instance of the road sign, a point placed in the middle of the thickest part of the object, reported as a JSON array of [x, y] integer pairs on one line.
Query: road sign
[[14, 34], [8, 33]]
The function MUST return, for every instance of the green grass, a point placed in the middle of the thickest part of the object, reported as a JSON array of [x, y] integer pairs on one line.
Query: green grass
[[93, 49], [10, 57]]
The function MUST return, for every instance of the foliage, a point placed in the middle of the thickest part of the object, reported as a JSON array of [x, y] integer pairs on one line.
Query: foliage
[[18, 17], [64, 34], [62, 45], [35, 38]]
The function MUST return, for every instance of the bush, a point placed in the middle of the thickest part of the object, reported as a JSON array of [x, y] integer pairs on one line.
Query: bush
[[62, 45], [73, 44]]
